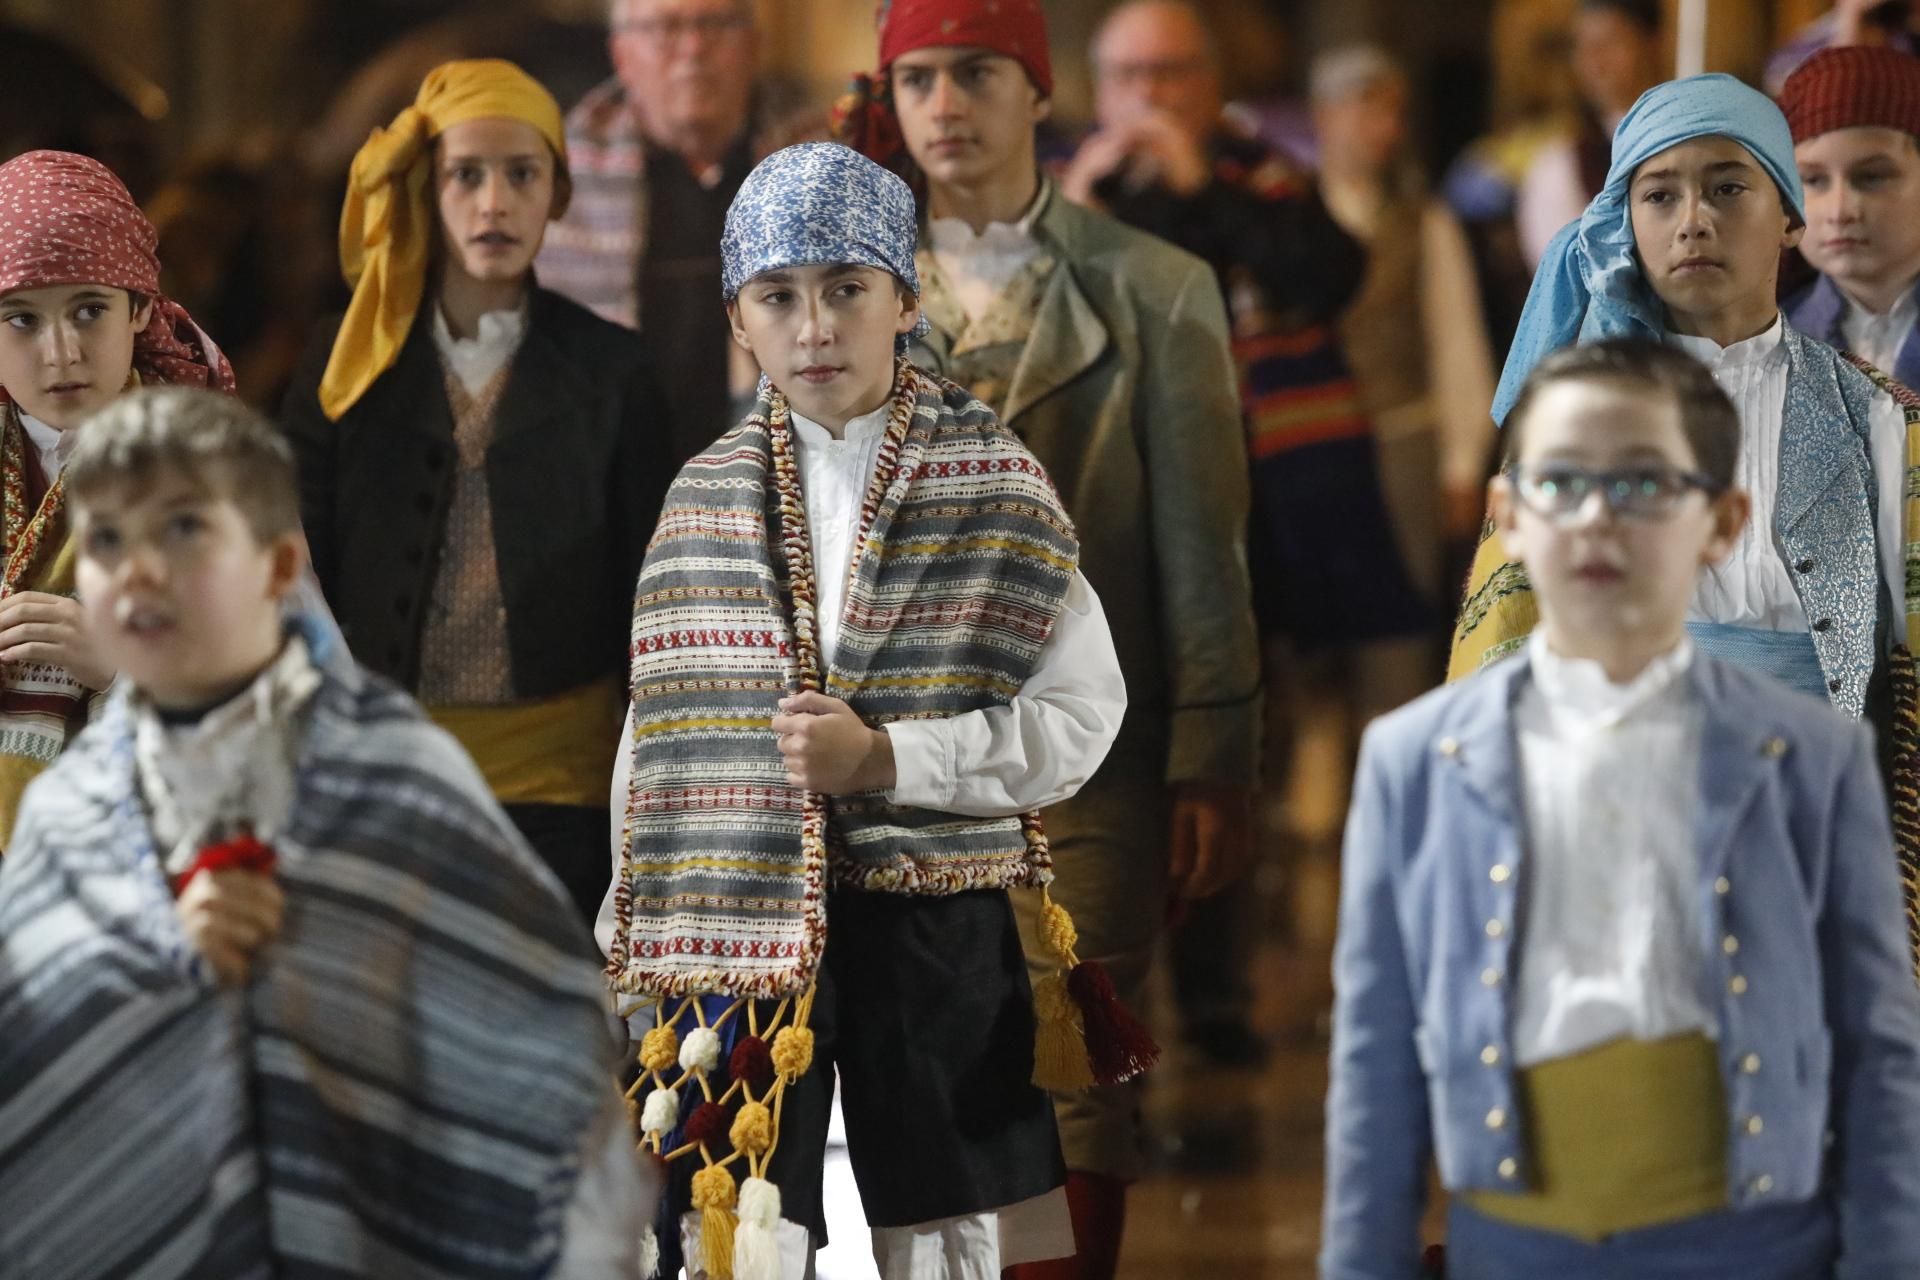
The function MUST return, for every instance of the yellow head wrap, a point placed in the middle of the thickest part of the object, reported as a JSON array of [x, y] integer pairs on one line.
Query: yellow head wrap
[[387, 227]]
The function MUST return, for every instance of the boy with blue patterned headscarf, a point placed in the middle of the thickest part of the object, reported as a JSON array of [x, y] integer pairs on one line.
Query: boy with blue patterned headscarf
[[863, 656], [1682, 245]]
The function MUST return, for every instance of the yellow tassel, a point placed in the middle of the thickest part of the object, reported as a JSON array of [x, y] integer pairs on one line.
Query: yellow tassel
[[1057, 930], [713, 1196], [793, 1052], [660, 1049], [752, 1129], [1060, 1061]]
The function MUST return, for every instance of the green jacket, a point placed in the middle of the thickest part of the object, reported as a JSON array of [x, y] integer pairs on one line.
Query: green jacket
[[1127, 394]]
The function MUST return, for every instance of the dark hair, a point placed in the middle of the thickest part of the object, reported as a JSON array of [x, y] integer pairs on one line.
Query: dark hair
[[1711, 423], [213, 440], [1644, 14]]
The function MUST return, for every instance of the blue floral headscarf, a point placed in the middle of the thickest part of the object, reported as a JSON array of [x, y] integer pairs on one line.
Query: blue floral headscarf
[[820, 203], [1590, 284]]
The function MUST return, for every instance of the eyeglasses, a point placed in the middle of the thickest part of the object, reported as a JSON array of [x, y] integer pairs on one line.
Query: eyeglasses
[[1560, 492], [678, 26]]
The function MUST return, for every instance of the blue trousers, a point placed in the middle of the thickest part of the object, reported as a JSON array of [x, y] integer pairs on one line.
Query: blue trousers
[[1789, 1242]]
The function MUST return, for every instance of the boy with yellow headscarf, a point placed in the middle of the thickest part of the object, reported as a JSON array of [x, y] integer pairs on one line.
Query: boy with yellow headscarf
[[482, 461]]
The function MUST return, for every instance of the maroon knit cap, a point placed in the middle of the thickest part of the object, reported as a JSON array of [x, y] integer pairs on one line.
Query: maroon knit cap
[[1853, 87]]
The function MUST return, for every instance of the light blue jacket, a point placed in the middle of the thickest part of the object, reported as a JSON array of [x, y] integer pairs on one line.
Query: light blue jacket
[[1796, 860]]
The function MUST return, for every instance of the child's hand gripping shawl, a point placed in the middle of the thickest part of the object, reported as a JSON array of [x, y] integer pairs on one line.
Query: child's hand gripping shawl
[[401, 1091], [962, 561]]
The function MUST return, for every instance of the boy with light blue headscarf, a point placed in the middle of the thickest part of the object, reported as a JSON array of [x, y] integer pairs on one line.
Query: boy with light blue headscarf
[[1682, 246], [863, 657]]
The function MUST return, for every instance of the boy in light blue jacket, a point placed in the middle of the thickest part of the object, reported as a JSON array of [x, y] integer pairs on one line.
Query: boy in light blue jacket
[[1621, 934]]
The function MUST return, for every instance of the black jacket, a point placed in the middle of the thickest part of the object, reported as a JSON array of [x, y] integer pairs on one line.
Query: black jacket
[[580, 461], [1305, 263]]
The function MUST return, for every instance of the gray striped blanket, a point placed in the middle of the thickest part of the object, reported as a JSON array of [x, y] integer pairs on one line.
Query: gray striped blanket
[[402, 1090], [965, 557]]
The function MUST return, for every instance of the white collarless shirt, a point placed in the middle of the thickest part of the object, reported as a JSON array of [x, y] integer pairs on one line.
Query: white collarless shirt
[[52, 445], [1611, 776], [1753, 587], [1877, 338]]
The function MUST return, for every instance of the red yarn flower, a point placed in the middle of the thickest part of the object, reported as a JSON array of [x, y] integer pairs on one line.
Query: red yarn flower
[[241, 853], [707, 1124], [752, 1062]]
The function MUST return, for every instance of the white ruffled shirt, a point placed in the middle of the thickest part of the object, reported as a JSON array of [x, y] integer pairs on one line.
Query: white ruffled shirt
[[1876, 337], [978, 266], [1611, 778], [475, 360], [1753, 587]]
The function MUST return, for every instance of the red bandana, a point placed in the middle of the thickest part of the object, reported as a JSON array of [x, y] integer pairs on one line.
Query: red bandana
[[1016, 28], [864, 119], [1853, 87], [65, 219]]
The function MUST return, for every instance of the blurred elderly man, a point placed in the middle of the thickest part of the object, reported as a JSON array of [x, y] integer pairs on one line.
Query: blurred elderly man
[[1164, 160], [658, 152]]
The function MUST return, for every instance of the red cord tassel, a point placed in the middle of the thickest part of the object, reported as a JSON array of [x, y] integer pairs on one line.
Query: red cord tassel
[[1118, 1045]]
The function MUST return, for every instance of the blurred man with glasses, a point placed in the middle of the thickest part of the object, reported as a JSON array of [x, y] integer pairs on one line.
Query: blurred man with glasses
[[658, 152]]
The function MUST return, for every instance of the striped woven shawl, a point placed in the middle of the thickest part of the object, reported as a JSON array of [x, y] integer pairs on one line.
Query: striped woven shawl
[[964, 557], [403, 1089]]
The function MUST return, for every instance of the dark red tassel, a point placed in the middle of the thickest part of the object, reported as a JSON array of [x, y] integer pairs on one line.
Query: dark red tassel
[[1118, 1045], [752, 1062], [708, 1123], [1434, 1262]]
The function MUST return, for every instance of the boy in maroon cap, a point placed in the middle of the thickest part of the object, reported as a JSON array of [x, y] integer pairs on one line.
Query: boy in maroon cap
[[1855, 114]]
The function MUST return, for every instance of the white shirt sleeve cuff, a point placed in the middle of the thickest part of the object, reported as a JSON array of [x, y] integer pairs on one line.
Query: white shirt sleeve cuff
[[923, 774]]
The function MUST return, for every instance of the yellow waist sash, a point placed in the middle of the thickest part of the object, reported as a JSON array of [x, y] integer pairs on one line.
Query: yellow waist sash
[[556, 750], [1626, 1136]]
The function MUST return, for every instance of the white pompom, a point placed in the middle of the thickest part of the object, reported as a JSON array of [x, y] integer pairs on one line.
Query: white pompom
[[759, 1203], [700, 1051], [661, 1112], [649, 1254], [756, 1244]]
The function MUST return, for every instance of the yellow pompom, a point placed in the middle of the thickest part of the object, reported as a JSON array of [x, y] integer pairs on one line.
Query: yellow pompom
[[1057, 929], [660, 1049], [713, 1188], [713, 1196], [752, 1129], [793, 1052], [1060, 1061]]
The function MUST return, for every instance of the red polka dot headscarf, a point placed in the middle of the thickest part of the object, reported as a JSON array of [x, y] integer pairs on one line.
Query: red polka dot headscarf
[[66, 219]]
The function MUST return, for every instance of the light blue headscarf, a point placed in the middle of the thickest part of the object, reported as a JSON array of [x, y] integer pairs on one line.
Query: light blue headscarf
[[815, 204], [1590, 284]]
